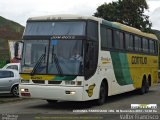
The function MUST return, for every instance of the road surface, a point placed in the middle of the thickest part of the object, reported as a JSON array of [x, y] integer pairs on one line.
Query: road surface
[[120, 102]]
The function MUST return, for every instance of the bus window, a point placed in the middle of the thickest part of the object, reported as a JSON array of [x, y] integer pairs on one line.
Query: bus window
[[103, 38], [155, 47], [92, 30], [106, 38], [137, 43], [121, 36], [56, 28], [128, 41], [145, 45], [109, 38], [151, 46], [116, 40]]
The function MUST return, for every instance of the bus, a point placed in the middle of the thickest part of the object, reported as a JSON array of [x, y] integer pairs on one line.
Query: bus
[[80, 58]]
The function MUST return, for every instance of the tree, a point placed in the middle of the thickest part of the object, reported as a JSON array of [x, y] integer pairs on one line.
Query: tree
[[129, 12]]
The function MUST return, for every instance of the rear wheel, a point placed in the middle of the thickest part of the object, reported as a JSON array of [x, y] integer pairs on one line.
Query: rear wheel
[[145, 87], [102, 94], [15, 90], [52, 101]]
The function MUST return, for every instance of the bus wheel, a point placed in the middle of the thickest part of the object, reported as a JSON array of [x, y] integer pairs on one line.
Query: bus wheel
[[102, 94], [52, 101], [145, 87]]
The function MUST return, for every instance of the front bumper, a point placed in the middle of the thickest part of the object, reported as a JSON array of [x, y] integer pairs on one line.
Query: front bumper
[[52, 92]]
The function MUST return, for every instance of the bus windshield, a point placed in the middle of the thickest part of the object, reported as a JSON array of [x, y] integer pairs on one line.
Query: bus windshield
[[59, 57], [55, 28]]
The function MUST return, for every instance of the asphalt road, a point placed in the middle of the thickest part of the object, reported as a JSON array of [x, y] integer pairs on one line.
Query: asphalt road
[[114, 103]]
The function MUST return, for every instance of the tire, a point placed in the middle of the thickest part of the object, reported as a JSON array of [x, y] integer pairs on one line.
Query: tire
[[145, 87], [15, 90], [52, 101], [102, 94]]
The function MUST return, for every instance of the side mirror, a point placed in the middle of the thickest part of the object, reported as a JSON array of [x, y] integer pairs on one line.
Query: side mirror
[[18, 46]]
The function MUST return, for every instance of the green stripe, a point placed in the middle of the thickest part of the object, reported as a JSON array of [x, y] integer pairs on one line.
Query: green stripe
[[110, 24], [121, 68], [64, 78]]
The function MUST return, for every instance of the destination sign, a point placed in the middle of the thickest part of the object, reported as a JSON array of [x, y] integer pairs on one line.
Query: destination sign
[[63, 37]]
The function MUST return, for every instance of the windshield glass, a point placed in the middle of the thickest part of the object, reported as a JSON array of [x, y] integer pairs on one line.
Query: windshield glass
[[55, 28], [69, 55], [35, 51], [65, 57]]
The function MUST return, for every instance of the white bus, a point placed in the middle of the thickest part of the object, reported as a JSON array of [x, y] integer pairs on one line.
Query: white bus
[[79, 58]]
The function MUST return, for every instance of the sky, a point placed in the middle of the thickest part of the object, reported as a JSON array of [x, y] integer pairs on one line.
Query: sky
[[20, 10]]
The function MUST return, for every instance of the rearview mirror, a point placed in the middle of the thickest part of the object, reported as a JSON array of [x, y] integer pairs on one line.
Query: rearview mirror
[[18, 50]]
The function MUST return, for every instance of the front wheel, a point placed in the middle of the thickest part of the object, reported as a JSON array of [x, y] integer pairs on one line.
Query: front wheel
[[102, 94]]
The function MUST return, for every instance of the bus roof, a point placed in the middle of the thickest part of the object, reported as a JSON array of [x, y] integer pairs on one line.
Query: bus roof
[[105, 22], [64, 16]]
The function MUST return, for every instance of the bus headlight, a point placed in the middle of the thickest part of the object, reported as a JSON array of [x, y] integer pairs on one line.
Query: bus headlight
[[70, 92]]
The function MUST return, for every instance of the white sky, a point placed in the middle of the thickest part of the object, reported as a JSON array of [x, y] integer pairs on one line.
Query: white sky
[[21, 10]]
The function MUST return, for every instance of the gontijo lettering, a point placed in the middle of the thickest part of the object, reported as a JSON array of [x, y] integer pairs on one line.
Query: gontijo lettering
[[139, 60]]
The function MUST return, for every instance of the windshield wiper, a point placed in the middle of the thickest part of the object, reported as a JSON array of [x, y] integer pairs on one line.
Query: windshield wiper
[[38, 63], [56, 61]]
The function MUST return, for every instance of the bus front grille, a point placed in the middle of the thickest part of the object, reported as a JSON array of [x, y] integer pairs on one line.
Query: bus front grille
[[39, 81], [54, 82]]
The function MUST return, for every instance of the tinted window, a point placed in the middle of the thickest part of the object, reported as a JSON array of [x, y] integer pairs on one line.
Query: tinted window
[[138, 43], [103, 38], [6, 74], [116, 39], [106, 38], [145, 45], [155, 47], [56, 28], [109, 38], [151, 46], [92, 30], [129, 41], [121, 36]]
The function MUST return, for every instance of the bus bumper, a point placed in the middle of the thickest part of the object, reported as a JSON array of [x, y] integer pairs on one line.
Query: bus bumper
[[67, 93]]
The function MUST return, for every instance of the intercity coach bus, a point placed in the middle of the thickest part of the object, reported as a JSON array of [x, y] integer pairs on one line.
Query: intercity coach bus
[[79, 58]]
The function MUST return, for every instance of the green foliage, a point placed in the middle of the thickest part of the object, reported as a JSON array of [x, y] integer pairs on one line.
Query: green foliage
[[129, 12]]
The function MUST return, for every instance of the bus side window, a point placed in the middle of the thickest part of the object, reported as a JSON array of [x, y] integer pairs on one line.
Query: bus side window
[[138, 44], [145, 45], [155, 47], [106, 38], [116, 39], [151, 46], [103, 38], [129, 41]]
